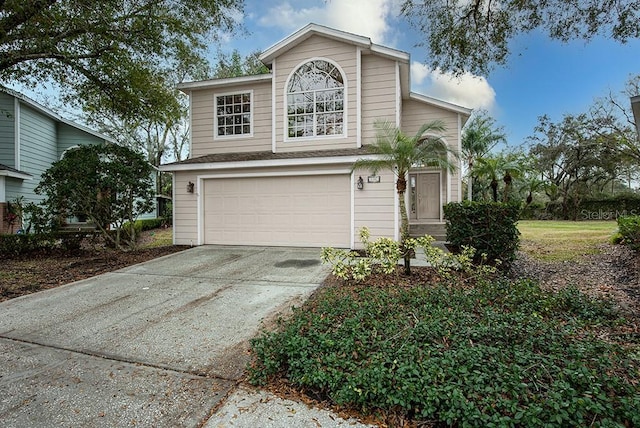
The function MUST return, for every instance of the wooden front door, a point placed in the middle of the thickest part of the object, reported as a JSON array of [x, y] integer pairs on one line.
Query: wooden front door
[[428, 196]]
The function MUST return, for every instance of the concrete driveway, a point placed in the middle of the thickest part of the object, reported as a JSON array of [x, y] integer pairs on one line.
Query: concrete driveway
[[156, 344]]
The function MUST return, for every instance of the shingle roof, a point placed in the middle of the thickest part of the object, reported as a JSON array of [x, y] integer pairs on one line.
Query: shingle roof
[[267, 155], [10, 169]]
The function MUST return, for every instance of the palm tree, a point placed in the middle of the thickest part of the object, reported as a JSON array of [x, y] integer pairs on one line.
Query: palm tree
[[495, 166], [398, 152], [478, 138]]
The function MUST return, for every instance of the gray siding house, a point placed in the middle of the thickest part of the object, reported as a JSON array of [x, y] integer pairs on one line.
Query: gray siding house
[[32, 137], [272, 155]]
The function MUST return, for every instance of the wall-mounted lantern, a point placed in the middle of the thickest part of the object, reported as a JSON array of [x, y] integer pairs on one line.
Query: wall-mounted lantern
[[190, 187], [360, 184]]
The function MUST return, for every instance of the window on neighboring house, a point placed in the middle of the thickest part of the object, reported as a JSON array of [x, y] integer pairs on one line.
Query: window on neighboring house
[[233, 114], [315, 101]]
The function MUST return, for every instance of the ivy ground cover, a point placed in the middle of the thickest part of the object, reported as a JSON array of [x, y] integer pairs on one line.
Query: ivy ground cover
[[488, 352]]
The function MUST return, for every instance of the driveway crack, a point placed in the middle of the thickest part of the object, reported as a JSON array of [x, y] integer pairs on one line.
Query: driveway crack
[[120, 359]]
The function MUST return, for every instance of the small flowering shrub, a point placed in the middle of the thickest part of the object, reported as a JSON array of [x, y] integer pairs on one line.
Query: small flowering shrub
[[445, 263], [383, 255]]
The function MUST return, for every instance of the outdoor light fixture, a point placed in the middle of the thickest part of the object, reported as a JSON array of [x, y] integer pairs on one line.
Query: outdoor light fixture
[[360, 184], [190, 187]]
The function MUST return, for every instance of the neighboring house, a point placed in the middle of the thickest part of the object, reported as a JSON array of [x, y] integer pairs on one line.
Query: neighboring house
[[635, 107], [32, 137], [271, 155]]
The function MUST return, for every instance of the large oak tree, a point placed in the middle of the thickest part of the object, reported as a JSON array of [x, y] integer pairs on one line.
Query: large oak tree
[[113, 53], [475, 35]]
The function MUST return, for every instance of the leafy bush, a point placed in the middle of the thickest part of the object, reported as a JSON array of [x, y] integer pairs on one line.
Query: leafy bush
[[489, 227], [15, 245], [383, 255], [629, 230], [495, 354]]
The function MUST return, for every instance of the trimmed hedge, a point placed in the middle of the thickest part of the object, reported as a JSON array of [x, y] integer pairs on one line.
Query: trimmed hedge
[[629, 230], [489, 227]]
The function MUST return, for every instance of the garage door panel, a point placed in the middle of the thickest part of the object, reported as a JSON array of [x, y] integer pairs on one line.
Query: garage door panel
[[291, 211]]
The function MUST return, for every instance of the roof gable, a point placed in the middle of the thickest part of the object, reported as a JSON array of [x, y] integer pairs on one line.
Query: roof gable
[[53, 115], [306, 32]]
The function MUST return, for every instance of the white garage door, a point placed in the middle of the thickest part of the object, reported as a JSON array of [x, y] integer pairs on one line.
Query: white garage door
[[298, 211]]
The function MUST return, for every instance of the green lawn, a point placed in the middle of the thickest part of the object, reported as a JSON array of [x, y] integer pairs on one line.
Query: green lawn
[[159, 238], [564, 240]]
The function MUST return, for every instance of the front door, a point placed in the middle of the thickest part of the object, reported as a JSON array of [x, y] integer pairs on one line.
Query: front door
[[428, 196]]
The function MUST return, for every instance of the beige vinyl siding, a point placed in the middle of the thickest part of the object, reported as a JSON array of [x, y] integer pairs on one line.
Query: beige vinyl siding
[[378, 94], [203, 120], [185, 216], [345, 55], [415, 114], [374, 206]]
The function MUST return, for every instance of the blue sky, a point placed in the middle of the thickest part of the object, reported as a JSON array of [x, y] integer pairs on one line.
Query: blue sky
[[542, 76]]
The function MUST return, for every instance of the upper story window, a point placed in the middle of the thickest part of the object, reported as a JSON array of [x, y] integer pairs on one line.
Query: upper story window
[[315, 101], [233, 114]]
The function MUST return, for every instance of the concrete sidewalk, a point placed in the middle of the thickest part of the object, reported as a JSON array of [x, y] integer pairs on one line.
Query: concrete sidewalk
[[157, 344]]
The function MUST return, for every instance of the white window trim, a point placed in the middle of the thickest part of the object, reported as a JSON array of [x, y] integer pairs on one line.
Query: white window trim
[[215, 115], [345, 121]]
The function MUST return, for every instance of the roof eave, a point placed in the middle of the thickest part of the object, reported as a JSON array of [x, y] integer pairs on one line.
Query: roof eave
[[330, 160], [18, 175], [230, 81], [442, 104]]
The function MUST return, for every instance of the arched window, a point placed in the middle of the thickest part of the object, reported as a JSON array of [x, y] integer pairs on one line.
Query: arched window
[[315, 100]]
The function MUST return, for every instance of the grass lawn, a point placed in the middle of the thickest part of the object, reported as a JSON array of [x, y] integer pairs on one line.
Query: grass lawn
[[564, 240], [160, 237]]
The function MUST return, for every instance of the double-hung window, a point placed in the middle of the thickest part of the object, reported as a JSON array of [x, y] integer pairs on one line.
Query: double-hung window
[[315, 101], [233, 114]]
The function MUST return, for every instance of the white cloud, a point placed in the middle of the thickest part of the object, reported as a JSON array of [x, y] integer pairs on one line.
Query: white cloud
[[363, 17], [466, 90]]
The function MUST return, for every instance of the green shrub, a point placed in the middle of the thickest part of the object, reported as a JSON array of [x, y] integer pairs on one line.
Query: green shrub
[[499, 353], [15, 245], [489, 227], [629, 230]]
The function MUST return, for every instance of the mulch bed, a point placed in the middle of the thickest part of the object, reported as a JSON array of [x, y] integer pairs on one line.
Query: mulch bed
[[613, 273], [34, 272]]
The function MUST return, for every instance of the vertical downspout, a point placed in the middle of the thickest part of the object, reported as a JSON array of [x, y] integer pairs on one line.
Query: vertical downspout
[[273, 106], [358, 97]]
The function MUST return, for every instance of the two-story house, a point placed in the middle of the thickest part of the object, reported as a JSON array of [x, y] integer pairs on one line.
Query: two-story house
[[32, 137], [272, 155]]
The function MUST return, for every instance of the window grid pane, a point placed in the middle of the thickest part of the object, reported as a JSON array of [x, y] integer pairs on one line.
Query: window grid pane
[[315, 101], [234, 114]]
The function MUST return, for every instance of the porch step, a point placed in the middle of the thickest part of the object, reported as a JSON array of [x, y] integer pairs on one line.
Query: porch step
[[437, 230]]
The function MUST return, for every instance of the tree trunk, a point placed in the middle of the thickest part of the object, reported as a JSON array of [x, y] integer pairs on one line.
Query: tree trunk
[[470, 182], [401, 186], [494, 189]]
